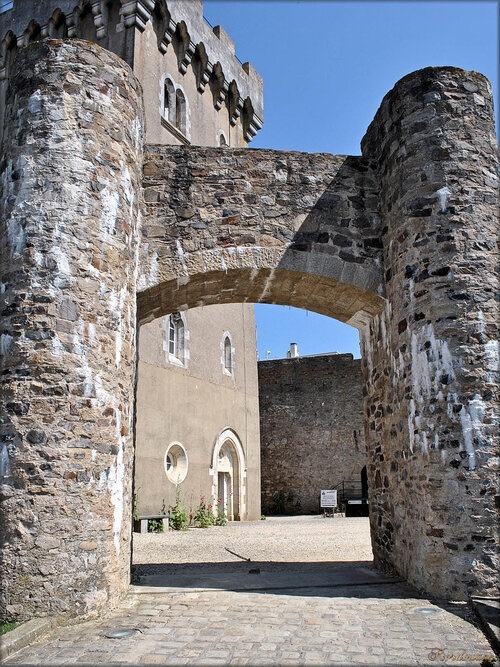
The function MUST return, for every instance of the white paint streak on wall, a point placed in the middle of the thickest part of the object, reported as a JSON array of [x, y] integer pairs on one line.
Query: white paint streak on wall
[[431, 361], [61, 259], [116, 479], [5, 470], [444, 196], [491, 356], [182, 255], [5, 341], [109, 203]]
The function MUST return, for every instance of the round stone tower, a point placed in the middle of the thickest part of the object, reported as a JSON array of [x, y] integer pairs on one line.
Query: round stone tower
[[70, 213], [431, 428]]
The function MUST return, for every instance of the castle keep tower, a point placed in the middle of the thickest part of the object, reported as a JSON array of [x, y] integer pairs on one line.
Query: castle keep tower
[[88, 243]]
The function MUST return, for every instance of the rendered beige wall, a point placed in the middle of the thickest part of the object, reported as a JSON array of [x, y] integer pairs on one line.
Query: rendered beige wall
[[192, 405], [204, 121]]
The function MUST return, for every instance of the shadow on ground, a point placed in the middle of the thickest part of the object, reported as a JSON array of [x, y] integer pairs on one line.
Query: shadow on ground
[[324, 578], [327, 579]]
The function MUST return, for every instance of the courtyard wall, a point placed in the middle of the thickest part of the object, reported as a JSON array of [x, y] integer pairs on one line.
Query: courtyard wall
[[312, 434]]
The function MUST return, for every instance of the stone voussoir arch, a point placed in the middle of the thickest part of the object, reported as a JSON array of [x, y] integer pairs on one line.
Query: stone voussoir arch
[[263, 226]]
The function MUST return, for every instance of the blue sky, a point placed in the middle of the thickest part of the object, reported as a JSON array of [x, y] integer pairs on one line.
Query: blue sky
[[326, 67]]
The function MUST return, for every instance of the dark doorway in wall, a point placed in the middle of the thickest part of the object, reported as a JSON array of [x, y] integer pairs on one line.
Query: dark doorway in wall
[[364, 482]]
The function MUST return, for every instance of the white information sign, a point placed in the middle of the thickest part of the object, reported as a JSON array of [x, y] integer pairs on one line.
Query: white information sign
[[328, 498]]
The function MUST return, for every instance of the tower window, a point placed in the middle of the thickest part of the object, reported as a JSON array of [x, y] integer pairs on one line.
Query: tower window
[[180, 111], [169, 101], [228, 356], [176, 338]]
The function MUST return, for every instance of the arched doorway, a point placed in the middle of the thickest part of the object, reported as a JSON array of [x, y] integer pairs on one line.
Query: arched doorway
[[229, 475]]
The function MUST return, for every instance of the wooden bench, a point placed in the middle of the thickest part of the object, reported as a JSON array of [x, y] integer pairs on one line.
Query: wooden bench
[[141, 523]]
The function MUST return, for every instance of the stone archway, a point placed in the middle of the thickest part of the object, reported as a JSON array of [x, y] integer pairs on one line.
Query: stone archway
[[398, 242]]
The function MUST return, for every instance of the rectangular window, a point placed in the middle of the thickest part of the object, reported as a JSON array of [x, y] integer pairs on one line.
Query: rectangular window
[[5, 5]]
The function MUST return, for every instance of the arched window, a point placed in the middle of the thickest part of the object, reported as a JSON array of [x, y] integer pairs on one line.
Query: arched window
[[176, 338], [222, 140], [180, 111], [228, 356], [169, 100]]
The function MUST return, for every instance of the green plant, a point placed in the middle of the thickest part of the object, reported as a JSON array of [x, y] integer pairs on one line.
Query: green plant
[[488, 662], [262, 517], [283, 503], [220, 518], [178, 519], [7, 625], [155, 526], [203, 516], [135, 500], [279, 500]]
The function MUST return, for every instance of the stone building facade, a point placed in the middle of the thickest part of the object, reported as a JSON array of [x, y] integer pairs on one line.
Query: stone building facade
[[312, 427], [197, 412], [399, 242]]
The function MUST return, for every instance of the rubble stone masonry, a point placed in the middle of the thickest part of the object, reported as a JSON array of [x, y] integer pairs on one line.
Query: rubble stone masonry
[[431, 357], [70, 180], [400, 242], [312, 433]]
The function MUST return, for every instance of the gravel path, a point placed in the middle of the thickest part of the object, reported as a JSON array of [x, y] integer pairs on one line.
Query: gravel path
[[279, 542]]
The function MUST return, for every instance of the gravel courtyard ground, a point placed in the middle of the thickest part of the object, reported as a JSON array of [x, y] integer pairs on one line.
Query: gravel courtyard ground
[[279, 542]]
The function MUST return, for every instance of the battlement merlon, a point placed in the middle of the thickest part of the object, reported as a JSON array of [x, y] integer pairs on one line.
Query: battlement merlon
[[115, 27]]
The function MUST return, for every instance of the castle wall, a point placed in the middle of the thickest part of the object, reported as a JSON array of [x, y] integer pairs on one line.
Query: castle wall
[[431, 358], [154, 38], [414, 268], [312, 427], [194, 404], [260, 225], [68, 250]]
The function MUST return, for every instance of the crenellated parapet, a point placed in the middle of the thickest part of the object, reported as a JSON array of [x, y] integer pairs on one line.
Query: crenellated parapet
[[118, 25]]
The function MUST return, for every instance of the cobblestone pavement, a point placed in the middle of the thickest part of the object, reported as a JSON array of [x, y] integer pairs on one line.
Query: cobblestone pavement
[[351, 615], [374, 624]]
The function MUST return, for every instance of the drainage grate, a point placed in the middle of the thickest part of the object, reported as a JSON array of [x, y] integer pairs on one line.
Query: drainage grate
[[119, 633]]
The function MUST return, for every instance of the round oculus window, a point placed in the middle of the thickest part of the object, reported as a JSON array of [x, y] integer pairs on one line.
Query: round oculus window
[[176, 463]]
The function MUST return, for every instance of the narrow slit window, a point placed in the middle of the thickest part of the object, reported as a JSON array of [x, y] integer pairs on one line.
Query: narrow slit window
[[169, 101], [228, 356]]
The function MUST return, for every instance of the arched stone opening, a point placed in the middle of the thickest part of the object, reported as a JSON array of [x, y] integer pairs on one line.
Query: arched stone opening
[[229, 475], [367, 240], [321, 294]]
